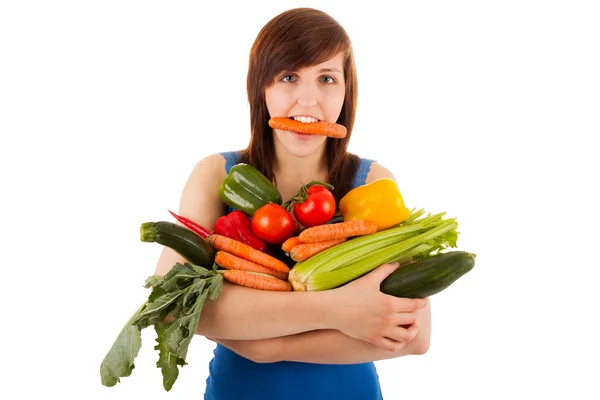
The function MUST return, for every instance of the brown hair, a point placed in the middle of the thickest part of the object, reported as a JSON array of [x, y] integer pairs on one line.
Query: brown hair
[[293, 40]]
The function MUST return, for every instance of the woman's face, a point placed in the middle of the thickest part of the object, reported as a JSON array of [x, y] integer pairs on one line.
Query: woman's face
[[313, 92]]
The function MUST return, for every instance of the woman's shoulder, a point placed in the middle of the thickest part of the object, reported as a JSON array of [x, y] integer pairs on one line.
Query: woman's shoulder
[[218, 163], [378, 171], [369, 170], [213, 167], [231, 158]]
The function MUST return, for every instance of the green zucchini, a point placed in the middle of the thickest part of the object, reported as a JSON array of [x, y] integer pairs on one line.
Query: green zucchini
[[428, 276], [186, 243]]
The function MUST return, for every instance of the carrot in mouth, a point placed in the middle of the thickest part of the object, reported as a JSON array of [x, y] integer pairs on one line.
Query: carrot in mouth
[[322, 128]]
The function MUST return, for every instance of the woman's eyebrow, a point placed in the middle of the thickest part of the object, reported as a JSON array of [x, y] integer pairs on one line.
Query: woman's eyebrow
[[330, 70]]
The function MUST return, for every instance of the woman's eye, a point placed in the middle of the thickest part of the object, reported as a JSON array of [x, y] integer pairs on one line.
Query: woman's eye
[[288, 78], [327, 79]]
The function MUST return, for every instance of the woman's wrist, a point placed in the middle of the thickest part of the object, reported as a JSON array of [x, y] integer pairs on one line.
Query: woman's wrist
[[324, 308]]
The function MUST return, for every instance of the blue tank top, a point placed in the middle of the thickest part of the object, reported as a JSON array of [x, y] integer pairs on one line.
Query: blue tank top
[[232, 377]]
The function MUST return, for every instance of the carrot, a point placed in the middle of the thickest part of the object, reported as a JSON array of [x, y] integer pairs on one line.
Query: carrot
[[291, 242], [340, 230], [322, 128], [229, 261], [304, 251], [257, 281], [237, 248]]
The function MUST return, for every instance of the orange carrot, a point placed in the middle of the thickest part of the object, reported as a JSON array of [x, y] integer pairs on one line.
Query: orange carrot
[[304, 251], [340, 230], [220, 242], [229, 261], [257, 281], [322, 128], [290, 243]]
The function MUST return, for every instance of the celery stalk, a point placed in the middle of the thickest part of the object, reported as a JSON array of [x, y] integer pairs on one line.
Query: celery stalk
[[396, 251], [333, 279], [349, 251]]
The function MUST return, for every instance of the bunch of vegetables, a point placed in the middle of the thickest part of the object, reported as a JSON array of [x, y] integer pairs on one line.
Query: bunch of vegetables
[[305, 244]]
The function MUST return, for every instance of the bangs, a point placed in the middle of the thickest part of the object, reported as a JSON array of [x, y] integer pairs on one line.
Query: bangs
[[304, 53], [293, 41]]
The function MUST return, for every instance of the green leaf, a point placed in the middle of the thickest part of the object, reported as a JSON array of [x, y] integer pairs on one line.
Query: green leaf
[[156, 293], [157, 309], [180, 294], [154, 280], [187, 326], [177, 335], [167, 361], [118, 362], [192, 294], [180, 276], [203, 272], [216, 286]]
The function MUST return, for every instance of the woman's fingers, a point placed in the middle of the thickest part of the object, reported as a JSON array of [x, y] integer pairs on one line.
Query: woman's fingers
[[404, 318], [399, 338], [400, 334], [401, 304], [390, 345]]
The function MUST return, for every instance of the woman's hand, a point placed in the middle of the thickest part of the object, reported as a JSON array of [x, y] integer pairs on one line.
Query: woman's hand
[[362, 311]]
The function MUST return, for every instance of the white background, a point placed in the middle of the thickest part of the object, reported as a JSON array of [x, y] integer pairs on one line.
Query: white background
[[485, 110]]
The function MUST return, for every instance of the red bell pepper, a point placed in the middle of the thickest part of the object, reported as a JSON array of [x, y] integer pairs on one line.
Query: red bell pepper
[[237, 225]]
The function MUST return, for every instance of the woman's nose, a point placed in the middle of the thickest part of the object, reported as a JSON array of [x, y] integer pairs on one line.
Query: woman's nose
[[308, 95]]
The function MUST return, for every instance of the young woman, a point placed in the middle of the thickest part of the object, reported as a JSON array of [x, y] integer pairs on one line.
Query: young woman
[[299, 345]]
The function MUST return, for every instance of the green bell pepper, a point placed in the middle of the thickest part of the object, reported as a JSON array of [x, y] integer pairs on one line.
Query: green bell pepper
[[246, 189]]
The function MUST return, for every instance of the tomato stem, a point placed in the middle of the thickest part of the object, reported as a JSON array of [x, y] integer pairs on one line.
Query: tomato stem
[[302, 194]]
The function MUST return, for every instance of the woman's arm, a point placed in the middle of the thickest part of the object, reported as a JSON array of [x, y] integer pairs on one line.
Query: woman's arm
[[333, 347], [243, 313]]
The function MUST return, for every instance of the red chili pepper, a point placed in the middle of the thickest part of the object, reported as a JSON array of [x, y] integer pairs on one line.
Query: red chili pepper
[[237, 225], [191, 225]]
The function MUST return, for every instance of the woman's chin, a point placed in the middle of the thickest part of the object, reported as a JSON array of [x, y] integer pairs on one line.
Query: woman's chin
[[300, 145]]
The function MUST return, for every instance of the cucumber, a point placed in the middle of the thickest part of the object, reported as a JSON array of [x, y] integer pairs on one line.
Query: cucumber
[[186, 243], [429, 276]]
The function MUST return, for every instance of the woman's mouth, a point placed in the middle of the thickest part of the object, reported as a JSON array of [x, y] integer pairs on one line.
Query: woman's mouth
[[302, 136], [305, 120]]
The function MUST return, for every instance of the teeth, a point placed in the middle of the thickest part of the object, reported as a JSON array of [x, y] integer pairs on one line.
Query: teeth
[[305, 119]]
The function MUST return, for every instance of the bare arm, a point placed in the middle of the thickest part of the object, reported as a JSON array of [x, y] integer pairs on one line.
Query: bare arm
[[244, 313], [332, 346]]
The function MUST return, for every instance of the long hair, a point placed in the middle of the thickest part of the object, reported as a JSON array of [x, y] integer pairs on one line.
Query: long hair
[[295, 39]]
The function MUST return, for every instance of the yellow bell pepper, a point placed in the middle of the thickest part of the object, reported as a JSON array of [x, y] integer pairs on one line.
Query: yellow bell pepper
[[379, 201]]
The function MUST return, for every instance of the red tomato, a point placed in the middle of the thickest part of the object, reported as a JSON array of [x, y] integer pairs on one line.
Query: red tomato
[[317, 209], [273, 224]]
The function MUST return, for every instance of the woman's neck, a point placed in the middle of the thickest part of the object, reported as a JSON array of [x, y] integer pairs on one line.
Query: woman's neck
[[300, 170]]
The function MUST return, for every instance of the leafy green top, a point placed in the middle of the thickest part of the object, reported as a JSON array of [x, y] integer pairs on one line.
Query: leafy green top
[[180, 295]]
